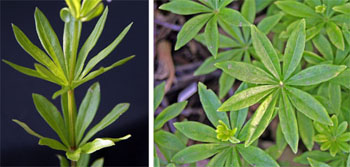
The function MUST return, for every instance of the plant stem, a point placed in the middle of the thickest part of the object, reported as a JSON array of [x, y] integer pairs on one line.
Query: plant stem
[[73, 164], [71, 116]]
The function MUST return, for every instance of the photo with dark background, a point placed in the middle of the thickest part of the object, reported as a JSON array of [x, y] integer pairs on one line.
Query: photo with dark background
[[127, 83]]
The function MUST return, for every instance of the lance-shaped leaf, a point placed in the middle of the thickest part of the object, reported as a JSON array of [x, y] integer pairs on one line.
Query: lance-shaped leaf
[[335, 35], [343, 79], [232, 17], [316, 74], [233, 158], [261, 119], [224, 41], [49, 40], [105, 52], [323, 46], [74, 7], [169, 113], [52, 116], [89, 6], [83, 160], [266, 52], [63, 161], [184, 7], [94, 13], [190, 29], [211, 34], [158, 95], [220, 158], [266, 24], [288, 122], [225, 84], [294, 50], [255, 156], [308, 105], [106, 121], [248, 10], [306, 130], [246, 98], [48, 75], [196, 153], [24, 70], [315, 154], [297, 9], [314, 163], [87, 111], [345, 8], [246, 72], [211, 103], [168, 140], [96, 145], [98, 163], [197, 131]]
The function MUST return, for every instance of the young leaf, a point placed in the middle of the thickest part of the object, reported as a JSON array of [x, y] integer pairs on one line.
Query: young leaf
[[184, 7], [168, 141], [74, 7], [211, 103], [316, 74], [195, 153], [197, 131], [211, 34], [294, 50], [52, 143], [266, 52], [158, 95], [94, 13], [246, 98], [335, 96], [190, 29], [96, 145], [306, 130], [98, 163], [297, 9], [169, 113], [106, 121], [73, 155], [345, 8], [27, 128], [255, 156], [87, 111], [88, 6], [246, 72], [308, 105], [288, 122], [335, 35]]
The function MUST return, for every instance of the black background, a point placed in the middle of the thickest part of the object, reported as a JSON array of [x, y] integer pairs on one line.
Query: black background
[[127, 83]]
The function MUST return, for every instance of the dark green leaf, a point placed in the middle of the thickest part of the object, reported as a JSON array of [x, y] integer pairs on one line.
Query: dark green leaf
[[184, 7], [158, 95], [323, 46], [196, 153], [83, 160], [219, 159], [211, 34], [225, 84], [316, 155], [255, 156], [297, 9], [169, 113], [232, 17], [248, 10], [306, 130], [168, 141], [197, 131], [267, 24], [335, 35]]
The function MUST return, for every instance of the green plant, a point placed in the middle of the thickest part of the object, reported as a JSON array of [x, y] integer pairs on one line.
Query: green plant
[[65, 67]]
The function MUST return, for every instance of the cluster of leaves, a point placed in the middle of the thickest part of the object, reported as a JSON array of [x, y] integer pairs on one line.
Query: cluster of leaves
[[302, 77], [66, 67]]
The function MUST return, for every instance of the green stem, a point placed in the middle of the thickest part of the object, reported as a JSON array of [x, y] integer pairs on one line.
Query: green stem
[[71, 117]]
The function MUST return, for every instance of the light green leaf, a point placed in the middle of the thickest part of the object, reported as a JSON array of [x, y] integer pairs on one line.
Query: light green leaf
[[105, 52], [88, 6], [267, 24], [334, 91], [316, 74], [345, 8], [246, 72], [261, 119], [169, 113], [238, 117], [294, 50], [248, 10], [211, 103], [106, 121], [158, 95], [27, 128], [73, 155], [232, 17], [52, 116], [288, 122], [24, 70], [246, 98], [197, 131], [297, 9], [312, 57], [316, 155], [335, 35], [98, 163], [323, 46], [184, 7], [87, 111], [96, 145], [52, 143], [63, 161], [308, 105], [83, 160], [255, 156], [343, 79], [224, 3], [306, 130], [341, 19], [48, 75], [224, 41], [225, 84], [195, 153], [211, 34], [94, 13], [190, 29], [266, 52], [168, 141], [315, 163], [74, 7], [348, 161]]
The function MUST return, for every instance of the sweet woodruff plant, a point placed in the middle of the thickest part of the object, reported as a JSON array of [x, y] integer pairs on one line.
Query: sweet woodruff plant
[[65, 65]]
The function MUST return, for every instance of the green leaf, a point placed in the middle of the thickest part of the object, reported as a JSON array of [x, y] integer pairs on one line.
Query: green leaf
[[288, 122], [233, 158], [158, 95], [27, 128], [224, 41], [308, 105], [52, 143], [315, 75], [294, 50], [342, 128], [106, 121], [219, 159], [169, 113], [316, 155], [96, 145], [269, 22], [225, 84], [88, 6], [345, 8], [297, 9], [63, 161], [266, 52], [197, 131], [24, 70], [232, 17], [195, 153], [255, 156], [74, 7], [90, 43], [73, 155], [184, 7], [190, 29], [312, 58], [341, 19], [246, 72], [261, 119], [335, 96], [52, 116], [211, 34], [335, 35], [211, 103], [94, 13], [49, 40], [323, 46], [248, 10], [105, 52], [262, 4], [224, 3], [246, 98], [238, 117], [98, 163], [168, 141], [348, 161], [306, 130], [315, 163], [83, 160], [87, 111], [48, 74], [343, 78]]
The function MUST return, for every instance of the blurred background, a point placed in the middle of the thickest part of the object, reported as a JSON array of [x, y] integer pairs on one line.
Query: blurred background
[[127, 83]]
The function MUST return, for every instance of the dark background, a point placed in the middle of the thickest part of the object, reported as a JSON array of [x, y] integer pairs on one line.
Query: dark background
[[127, 83]]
